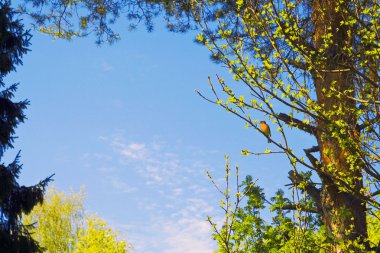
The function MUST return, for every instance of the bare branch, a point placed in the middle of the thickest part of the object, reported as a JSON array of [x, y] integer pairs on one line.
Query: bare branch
[[334, 70], [311, 158], [310, 188], [267, 153], [297, 123], [299, 65], [374, 194], [299, 207]]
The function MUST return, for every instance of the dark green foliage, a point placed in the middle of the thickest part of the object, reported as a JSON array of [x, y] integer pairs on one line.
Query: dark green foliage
[[67, 19], [14, 199], [14, 40]]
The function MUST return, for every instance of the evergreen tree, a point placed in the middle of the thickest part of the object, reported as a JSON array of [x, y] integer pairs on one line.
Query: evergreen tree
[[14, 199]]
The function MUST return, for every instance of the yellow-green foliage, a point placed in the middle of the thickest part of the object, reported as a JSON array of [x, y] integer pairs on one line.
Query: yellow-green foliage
[[62, 226], [99, 238], [373, 223], [57, 220]]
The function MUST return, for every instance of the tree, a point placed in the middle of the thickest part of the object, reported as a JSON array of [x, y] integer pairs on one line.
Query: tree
[[61, 225], [14, 198], [99, 238], [305, 65], [312, 67], [244, 230], [78, 18]]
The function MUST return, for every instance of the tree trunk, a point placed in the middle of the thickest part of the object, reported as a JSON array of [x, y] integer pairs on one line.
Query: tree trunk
[[343, 212]]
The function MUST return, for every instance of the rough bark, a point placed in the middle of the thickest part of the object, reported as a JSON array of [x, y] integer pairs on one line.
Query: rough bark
[[343, 212]]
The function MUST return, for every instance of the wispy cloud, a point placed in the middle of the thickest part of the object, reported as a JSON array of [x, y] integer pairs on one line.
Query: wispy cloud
[[188, 231], [120, 185], [184, 230], [132, 150], [155, 165], [172, 194], [187, 235]]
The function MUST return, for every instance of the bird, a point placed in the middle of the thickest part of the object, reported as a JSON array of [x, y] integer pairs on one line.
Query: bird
[[265, 129]]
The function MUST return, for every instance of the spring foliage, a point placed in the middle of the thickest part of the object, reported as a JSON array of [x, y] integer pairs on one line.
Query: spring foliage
[[243, 227], [61, 225], [302, 65]]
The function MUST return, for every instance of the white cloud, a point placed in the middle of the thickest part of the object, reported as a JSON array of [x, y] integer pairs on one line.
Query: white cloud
[[187, 229], [156, 166], [132, 150], [154, 173], [120, 185], [195, 208], [184, 231], [187, 235], [173, 198]]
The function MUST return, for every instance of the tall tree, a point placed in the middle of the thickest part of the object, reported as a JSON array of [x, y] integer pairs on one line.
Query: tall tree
[[14, 199], [61, 225], [310, 65], [305, 65]]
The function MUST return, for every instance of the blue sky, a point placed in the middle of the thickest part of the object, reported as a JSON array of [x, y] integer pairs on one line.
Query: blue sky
[[124, 121]]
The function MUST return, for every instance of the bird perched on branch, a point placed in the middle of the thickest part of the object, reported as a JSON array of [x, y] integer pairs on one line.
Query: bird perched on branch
[[265, 129]]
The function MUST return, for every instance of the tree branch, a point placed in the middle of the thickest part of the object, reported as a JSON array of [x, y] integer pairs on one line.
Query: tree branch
[[310, 188], [368, 123], [311, 158], [374, 194], [299, 65], [297, 123], [300, 207]]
